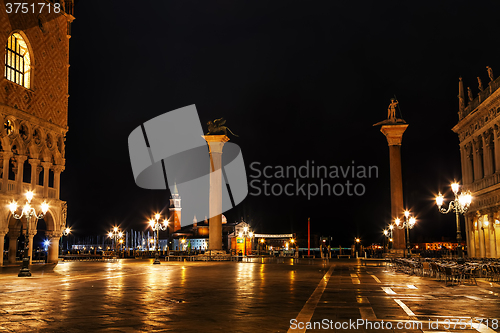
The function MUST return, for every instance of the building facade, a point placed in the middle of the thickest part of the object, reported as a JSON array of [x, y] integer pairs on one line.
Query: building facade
[[478, 131], [34, 114]]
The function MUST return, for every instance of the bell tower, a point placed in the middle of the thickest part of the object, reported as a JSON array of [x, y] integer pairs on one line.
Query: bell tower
[[175, 211]]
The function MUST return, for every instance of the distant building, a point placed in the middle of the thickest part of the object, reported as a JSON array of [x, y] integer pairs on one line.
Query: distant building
[[478, 130]]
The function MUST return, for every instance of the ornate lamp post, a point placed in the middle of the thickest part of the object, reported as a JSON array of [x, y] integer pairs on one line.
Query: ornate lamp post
[[28, 212], [157, 226], [460, 206], [408, 223], [115, 235]]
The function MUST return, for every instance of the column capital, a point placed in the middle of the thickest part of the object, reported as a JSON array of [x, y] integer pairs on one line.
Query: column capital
[[46, 165], [394, 133], [216, 142], [20, 158], [53, 234], [58, 168], [7, 154], [34, 162]]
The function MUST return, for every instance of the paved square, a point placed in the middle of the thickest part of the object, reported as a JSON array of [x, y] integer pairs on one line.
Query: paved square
[[136, 296]]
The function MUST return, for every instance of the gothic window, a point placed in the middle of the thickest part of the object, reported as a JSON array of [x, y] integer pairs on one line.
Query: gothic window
[[8, 126], [18, 61]]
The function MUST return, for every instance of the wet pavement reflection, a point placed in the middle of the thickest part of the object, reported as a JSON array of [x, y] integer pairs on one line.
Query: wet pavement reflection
[[134, 295]]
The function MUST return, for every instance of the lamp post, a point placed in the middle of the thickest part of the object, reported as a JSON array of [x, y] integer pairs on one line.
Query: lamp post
[[386, 240], [65, 232], [262, 241], [485, 224], [459, 205], [28, 212], [157, 226], [115, 235], [408, 223]]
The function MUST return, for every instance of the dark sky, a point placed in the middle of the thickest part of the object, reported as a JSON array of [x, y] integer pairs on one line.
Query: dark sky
[[297, 81]]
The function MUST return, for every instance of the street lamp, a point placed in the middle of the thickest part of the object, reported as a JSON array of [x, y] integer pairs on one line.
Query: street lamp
[[262, 241], [65, 232], [27, 212], [115, 235], [460, 206], [157, 226], [408, 223]]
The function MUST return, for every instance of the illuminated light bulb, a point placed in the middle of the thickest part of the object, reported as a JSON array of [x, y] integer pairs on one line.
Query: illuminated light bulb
[[45, 207], [29, 196], [439, 200], [13, 207]]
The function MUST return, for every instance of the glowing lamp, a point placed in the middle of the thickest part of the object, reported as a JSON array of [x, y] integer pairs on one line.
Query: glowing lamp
[[13, 207], [29, 196], [439, 200], [45, 207]]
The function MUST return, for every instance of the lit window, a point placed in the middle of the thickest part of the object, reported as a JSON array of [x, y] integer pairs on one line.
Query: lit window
[[17, 61]]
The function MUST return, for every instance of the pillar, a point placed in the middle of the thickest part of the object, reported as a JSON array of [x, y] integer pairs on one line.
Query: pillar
[[46, 168], [34, 173], [481, 233], [488, 153], [13, 235], [32, 234], [2, 244], [491, 235], [478, 158], [5, 177], [53, 250], [463, 162], [496, 137], [57, 178], [215, 144], [20, 170], [394, 135], [469, 234], [469, 159]]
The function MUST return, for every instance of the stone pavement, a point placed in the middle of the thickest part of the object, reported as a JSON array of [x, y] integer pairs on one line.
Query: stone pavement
[[136, 296]]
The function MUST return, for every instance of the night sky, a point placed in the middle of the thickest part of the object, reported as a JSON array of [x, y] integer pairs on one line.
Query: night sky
[[297, 81]]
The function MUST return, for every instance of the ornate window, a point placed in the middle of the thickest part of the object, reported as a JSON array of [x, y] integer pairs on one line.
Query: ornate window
[[18, 61]]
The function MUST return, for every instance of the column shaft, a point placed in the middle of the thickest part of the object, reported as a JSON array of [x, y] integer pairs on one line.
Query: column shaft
[[20, 171], [2, 245], [496, 146], [5, 176], [34, 173], [53, 250], [46, 168], [13, 246]]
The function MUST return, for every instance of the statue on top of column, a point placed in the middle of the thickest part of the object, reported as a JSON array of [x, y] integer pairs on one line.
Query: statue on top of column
[[392, 118], [391, 110], [216, 127]]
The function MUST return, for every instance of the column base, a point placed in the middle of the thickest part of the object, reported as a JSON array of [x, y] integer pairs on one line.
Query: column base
[[25, 270], [157, 259]]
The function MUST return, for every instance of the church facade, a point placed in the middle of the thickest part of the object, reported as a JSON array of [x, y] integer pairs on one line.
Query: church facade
[[478, 131], [34, 116]]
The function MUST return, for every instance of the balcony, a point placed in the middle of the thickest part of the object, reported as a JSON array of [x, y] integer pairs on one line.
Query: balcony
[[12, 187]]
